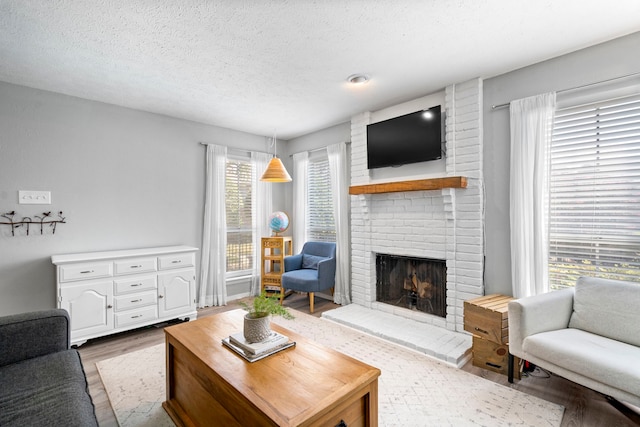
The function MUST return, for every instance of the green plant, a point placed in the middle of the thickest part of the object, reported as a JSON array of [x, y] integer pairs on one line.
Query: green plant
[[266, 304]]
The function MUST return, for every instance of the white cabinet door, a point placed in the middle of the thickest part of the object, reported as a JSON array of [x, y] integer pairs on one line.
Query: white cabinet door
[[90, 306], [176, 293]]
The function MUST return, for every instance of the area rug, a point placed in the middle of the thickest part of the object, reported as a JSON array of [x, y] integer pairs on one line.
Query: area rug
[[414, 390]]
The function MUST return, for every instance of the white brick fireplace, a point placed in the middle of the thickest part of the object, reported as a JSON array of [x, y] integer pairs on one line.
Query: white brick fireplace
[[442, 224]]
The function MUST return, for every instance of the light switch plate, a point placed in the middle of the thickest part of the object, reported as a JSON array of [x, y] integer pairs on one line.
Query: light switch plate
[[34, 197]]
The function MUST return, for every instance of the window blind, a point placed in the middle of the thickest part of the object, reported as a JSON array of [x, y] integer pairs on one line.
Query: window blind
[[238, 212], [320, 202], [594, 199]]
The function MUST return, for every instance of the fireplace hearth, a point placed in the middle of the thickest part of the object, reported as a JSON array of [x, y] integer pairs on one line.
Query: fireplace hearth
[[413, 283]]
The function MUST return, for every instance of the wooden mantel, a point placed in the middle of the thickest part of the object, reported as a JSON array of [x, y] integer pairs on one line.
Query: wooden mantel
[[416, 185]]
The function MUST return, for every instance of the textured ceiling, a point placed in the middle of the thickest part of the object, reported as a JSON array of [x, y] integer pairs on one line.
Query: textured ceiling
[[281, 65]]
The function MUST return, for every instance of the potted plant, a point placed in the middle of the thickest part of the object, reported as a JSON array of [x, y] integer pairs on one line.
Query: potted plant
[[257, 321]]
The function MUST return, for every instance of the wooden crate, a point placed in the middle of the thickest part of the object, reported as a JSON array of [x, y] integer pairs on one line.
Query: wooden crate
[[487, 317], [494, 357]]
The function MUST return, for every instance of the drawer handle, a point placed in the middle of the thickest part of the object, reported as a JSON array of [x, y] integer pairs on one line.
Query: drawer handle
[[136, 284], [86, 272], [481, 330], [341, 424], [136, 316], [177, 261], [136, 266], [136, 300]]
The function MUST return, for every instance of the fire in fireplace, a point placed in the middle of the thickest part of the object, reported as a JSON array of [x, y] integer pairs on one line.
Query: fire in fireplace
[[413, 283]]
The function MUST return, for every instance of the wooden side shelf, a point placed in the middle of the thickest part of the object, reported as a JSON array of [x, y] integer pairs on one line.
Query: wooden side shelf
[[274, 249], [417, 185]]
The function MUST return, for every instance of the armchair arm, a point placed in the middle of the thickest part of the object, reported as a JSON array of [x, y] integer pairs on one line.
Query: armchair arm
[[28, 335], [293, 262], [327, 273], [539, 313]]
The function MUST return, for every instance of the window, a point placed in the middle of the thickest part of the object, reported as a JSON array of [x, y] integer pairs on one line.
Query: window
[[239, 223], [320, 202], [594, 209]]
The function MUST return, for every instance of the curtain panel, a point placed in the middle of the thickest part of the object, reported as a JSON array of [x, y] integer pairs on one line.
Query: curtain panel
[[531, 132], [213, 263], [339, 176], [300, 220]]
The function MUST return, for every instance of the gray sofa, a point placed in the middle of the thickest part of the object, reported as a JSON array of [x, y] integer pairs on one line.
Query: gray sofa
[[42, 381], [589, 335]]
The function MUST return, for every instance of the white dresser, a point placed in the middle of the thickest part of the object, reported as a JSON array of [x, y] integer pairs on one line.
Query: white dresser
[[114, 291]]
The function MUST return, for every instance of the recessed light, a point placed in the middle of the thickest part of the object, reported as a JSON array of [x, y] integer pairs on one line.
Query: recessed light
[[358, 79]]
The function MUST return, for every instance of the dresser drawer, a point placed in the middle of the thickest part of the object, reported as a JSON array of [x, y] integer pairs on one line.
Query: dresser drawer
[[127, 302], [136, 316], [176, 261], [137, 265], [137, 284], [71, 272]]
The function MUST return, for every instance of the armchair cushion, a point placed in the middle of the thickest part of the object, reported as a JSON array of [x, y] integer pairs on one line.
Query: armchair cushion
[[311, 261], [608, 308], [304, 280]]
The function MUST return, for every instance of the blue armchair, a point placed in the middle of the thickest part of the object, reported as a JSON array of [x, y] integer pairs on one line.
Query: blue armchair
[[312, 270]]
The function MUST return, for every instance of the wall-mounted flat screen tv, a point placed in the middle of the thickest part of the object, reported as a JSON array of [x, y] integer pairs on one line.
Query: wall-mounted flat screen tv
[[412, 138]]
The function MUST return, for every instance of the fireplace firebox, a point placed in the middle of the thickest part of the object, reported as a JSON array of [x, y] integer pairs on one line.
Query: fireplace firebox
[[412, 283]]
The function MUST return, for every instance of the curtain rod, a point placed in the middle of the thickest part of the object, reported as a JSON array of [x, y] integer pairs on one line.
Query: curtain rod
[[316, 149], [237, 150], [499, 106]]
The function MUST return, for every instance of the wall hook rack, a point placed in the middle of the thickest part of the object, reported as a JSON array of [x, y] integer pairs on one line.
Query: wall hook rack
[[26, 222]]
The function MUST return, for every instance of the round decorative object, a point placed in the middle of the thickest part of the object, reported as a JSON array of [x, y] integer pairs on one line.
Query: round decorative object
[[256, 329], [278, 222]]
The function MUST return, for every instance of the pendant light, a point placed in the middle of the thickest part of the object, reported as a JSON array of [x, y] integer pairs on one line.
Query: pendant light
[[275, 171]]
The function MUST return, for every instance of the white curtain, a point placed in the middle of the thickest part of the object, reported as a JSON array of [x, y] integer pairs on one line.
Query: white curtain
[[261, 208], [531, 131], [339, 176], [213, 264], [300, 190]]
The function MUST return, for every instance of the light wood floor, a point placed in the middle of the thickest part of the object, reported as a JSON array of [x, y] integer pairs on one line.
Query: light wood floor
[[584, 407]]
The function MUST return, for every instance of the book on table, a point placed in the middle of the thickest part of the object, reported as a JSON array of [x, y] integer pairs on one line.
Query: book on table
[[249, 357], [273, 341]]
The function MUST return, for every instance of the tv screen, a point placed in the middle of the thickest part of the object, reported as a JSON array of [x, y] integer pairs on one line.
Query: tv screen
[[412, 138]]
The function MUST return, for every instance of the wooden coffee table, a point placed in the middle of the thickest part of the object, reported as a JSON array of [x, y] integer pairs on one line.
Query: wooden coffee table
[[305, 385]]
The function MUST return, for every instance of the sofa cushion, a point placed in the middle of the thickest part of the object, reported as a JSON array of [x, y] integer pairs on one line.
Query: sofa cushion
[[593, 356], [47, 390], [608, 308], [33, 334]]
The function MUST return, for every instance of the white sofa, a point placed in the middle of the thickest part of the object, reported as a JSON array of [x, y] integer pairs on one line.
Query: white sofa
[[589, 335]]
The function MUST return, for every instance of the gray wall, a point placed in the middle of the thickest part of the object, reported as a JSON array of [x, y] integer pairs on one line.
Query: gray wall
[[321, 138], [123, 178], [605, 61]]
